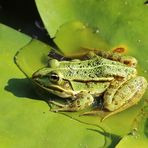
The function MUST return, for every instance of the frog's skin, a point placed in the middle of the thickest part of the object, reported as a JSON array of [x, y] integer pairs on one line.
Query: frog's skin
[[103, 73]]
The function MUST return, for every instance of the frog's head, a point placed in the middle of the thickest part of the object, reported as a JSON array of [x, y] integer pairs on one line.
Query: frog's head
[[52, 81]]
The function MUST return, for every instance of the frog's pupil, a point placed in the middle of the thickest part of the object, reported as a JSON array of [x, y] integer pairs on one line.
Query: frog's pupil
[[54, 77]]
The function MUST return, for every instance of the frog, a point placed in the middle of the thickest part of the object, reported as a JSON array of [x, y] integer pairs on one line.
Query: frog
[[111, 75]]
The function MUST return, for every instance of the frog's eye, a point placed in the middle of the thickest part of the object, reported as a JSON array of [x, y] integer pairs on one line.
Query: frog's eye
[[54, 77]]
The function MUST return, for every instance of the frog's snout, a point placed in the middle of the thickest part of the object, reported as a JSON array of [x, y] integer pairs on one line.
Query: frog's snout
[[36, 76], [40, 78]]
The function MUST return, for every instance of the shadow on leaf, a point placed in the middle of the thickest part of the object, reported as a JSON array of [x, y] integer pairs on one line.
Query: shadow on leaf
[[114, 138], [22, 88], [145, 128]]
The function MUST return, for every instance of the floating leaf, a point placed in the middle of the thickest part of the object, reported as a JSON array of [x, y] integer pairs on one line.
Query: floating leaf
[[72, 38], [110, 124], [26, 120], [117, 23], [138, 137]]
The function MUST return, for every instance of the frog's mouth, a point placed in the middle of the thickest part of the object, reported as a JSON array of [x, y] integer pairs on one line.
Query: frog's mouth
[[55, 89]]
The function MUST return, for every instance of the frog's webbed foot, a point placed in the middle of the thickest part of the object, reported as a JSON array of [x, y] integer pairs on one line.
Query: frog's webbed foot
[[82, 101], [126, 96]]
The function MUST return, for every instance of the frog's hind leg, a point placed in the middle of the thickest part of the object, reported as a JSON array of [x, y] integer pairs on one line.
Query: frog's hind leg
[[126, 96], [112, 89], [82, 101], [127, 60], [108, 95]]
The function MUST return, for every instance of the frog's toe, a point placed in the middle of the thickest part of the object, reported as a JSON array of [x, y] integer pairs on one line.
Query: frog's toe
[[57, 104], [58, 110], [54, 110]]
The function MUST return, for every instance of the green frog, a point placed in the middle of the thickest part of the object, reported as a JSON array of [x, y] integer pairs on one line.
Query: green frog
[[101, 73]]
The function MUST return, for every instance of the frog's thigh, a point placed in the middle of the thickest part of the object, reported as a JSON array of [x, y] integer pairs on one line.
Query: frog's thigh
[[112, 89], [127, 95]]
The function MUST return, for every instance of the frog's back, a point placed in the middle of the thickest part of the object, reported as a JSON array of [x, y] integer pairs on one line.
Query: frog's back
[[97, 68]]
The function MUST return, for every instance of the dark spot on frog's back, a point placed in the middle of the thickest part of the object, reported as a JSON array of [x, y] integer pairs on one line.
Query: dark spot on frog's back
[[127, 62], [88, 64], [98, 62], [91, 76]]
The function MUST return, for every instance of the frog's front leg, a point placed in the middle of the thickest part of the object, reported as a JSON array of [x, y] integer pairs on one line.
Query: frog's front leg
[[126, 96], [82, 100]]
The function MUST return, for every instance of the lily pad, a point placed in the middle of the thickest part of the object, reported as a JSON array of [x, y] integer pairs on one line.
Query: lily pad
[[39, 60], [117, 23], [139, 134], [112, 132], [74, 38], [25, 119]]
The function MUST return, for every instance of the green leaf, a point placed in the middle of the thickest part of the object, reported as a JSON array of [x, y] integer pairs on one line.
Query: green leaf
[[25, 120], [139, 134], [111, 131], [109, 125], [122, 23], [32, 57], [39, 60], [101, 24], [72, 39]]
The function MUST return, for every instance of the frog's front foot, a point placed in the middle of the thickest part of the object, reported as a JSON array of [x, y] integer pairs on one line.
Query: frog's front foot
[[127, 95], [58, 105], [82, 101]]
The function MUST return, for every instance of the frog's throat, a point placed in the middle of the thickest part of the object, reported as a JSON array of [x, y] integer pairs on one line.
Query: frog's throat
[[57, 90]]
